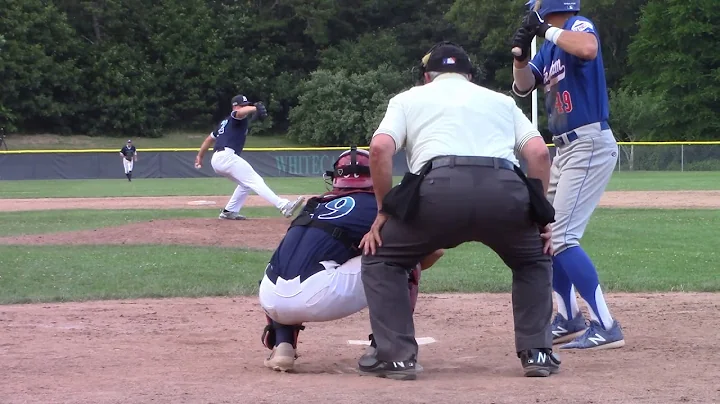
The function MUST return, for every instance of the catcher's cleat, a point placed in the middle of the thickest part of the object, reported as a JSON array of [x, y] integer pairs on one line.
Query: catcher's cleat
[[231, 215], [282, 358]]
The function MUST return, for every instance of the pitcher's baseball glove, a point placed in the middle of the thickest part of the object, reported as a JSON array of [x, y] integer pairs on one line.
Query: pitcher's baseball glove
[[261, 110]]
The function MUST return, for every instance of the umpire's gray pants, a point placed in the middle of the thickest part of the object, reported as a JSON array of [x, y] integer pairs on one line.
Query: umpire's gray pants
[[460, 204]]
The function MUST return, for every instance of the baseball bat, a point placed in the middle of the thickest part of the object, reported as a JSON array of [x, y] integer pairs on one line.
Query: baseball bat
[[517, 51]]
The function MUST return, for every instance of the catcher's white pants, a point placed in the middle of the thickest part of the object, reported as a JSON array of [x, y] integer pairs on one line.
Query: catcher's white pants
[[128, 165], [328, 295], [235, 168]]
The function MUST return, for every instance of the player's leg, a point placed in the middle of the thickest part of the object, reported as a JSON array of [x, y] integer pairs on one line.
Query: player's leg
[[568, 323], [125, 168], [130, 169], [585, 174], [237, 200], [242, 173], [333, 292]]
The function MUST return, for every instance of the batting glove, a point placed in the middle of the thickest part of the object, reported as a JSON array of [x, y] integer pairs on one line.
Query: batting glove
[[522, 39], [535, 24]]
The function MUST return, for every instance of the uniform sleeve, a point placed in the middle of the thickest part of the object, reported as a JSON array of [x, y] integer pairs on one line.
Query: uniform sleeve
[[394, 123], [213, 134], [582, 24], [524, 129], [536, 64]]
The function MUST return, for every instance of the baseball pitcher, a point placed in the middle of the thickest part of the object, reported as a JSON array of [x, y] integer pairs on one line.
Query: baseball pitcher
[[229, 139], [314, 274], [569, 68], [129, 156]]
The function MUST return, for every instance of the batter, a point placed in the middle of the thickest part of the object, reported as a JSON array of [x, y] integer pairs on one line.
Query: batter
[[570, 69]]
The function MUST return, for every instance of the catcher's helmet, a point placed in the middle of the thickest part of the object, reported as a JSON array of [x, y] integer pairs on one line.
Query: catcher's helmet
[[555, 6], [351, 170]]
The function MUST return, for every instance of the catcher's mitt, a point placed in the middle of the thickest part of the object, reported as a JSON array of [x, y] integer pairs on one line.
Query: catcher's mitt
[[261, 110]]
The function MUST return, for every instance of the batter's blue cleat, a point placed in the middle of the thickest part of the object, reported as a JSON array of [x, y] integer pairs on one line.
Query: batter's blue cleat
[[564, 330], [596, 337]]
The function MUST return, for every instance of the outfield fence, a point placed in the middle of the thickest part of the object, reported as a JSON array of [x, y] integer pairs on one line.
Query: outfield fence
[[300, 162], [669, 156]]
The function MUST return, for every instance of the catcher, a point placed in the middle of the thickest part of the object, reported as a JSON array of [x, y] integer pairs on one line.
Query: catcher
[[314, 274], [129, 155]]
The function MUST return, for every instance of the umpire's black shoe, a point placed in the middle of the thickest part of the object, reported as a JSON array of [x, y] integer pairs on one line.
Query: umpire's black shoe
[[539, 362], [404, 370]]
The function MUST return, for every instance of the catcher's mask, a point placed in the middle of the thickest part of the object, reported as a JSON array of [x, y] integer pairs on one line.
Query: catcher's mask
[[447, 57], [350, 171]]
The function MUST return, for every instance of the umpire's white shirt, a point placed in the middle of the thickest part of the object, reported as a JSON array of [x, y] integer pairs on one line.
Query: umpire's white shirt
[[452, 116]]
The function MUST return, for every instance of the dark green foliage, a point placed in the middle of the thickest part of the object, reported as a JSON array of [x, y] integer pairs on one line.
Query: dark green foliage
[[674, 54], [324, 68]]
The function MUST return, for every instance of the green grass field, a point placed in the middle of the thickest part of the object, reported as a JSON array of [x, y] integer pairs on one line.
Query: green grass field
[[621, 181], [169, 140], [635, 250]]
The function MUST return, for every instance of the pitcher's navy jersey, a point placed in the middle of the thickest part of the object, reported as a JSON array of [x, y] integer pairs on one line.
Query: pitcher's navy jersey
[[303, 247], [581, 88], [231, 133]]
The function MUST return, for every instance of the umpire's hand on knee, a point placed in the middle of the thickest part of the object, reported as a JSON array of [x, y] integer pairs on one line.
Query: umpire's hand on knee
[[371, 241], [546, 235]]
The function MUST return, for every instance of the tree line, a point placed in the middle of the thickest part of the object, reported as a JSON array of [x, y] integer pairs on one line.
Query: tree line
[[324, 68]]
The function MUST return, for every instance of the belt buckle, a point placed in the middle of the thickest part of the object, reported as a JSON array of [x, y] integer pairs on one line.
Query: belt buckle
[[558, 141]]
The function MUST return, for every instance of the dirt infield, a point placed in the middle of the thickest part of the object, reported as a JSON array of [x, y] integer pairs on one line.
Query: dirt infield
[[208, 350], [615, 199]]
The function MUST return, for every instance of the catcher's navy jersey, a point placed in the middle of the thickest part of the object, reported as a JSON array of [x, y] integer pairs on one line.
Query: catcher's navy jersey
[[231, 133], [303, 247], [581, 89]]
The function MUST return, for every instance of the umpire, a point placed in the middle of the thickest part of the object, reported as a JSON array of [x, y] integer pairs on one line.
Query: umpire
[[464, 184]]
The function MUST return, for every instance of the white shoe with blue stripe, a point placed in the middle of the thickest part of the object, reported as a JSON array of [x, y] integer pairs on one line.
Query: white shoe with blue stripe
[[597, 337]]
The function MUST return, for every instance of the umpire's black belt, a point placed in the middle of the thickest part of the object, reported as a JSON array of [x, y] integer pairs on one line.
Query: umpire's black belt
[[453, 161], [273, 276]]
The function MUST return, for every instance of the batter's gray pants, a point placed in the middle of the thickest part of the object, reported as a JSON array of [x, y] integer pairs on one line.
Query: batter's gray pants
[[460, 204], [579, 175]]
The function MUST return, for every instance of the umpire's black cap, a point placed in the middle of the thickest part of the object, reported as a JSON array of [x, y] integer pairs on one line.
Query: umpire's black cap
[[447, 57], [240, 100]]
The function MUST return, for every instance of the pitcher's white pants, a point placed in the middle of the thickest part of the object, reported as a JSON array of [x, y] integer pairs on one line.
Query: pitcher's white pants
[[128, 165], [328, 295], [235, 168]]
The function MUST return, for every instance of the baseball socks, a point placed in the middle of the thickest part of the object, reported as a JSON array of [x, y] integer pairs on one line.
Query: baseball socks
[[581, 272]]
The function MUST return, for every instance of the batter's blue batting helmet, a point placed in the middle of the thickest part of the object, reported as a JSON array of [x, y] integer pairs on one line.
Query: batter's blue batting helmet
[[555, 6]]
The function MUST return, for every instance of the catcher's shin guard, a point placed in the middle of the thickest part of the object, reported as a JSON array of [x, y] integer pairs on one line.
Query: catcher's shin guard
[[414, 285], [269, 336]]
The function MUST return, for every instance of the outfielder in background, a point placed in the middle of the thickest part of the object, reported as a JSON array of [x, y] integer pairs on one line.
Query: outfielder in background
[[229, 139], [314, 274], [129, 157], [570, 69]]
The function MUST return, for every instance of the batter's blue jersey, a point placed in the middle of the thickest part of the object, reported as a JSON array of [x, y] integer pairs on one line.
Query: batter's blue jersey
[[231, 133], [303, 247], [581, 97]]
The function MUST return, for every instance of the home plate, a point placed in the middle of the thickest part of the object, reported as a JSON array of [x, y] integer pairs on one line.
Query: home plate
[[420, 341], [201, 203]]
